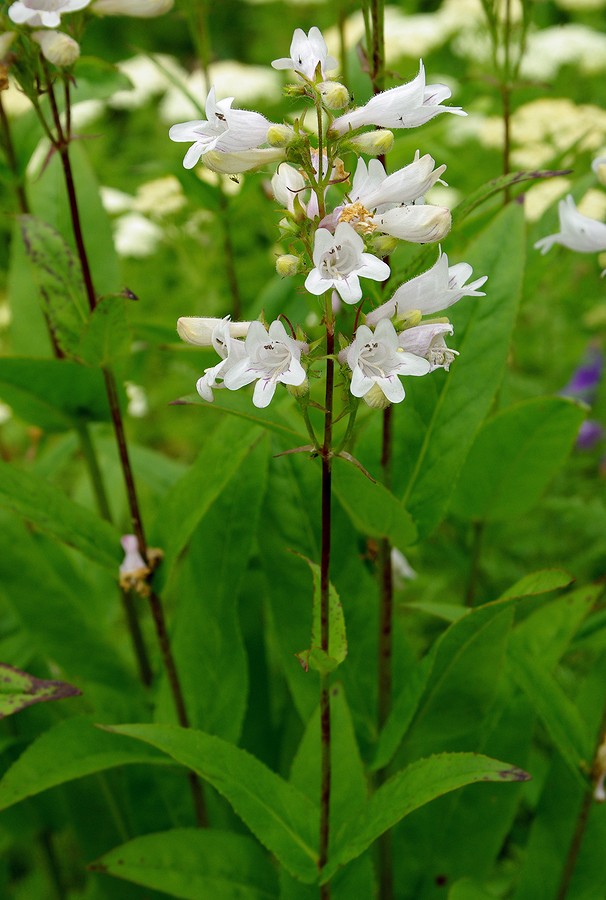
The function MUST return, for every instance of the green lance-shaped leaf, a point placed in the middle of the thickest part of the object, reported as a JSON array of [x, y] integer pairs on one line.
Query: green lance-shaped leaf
[[54, 394], [190, 864], [48, 508], [407, 790], [514, 457], [20, 689], [281, 817], [371, 507], [59, 277], [106, 336], [191, 496], [317, 658], [71, 749], [443, 411]]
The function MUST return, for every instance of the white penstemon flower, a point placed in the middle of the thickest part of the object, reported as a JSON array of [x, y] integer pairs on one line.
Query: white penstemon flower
[[577, 232], [432, 291], [405, 106], [393, 203], [376, 361], [307, 51], [232, 352], [225, 130], [428, 340], [271, 357], [340, 262], [43, 13]]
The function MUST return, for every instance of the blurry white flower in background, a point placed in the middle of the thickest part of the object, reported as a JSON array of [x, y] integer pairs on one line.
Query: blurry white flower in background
[[148, 79], [160, 197], [138, 405], [232, 79], [136, 236], [580, 5]]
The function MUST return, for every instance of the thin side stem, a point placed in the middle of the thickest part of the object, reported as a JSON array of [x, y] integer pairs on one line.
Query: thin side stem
[[325, 723], [112, 395], [230, 256], [11, 158], [384, 675], [377, 72]]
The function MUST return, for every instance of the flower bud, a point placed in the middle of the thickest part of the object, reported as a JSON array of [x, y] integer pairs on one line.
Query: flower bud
[[140, 9], [241, 160], [408, 320], [298, 390], [198, 330], [281, 136], [334, 94], [372, 143], [287, 264], [59, 49], [383, 244], [376, 399]]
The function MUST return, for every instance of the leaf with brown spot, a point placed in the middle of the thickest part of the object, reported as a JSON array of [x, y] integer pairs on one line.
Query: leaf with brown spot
[[20, 689]]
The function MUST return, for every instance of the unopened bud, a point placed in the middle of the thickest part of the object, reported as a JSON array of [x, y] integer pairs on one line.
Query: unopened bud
[[334, 94], [372, 143], [287, 264], [299, 390], [281, 136], [376, 399], [140, 9], [59, 49], [408, 320], [383, 244]]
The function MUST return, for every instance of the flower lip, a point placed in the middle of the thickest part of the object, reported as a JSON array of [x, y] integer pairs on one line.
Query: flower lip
[[45, 13]]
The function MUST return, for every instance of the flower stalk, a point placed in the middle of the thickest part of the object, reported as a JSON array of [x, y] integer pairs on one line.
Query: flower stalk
[[61, 145], [325, 722]]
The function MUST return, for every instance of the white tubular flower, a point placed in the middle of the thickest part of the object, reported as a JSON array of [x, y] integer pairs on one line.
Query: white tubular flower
[[43, 13], [378, 191], [418, 223], [376, 360], [225, 130], [287, 184], [434, 290], [199, 330], [231, 352], [405, 106], [306, 51], [428, 341], [340, 262], [140, 9], [577, 232], [241, 161], [59, 49], [269, 358]]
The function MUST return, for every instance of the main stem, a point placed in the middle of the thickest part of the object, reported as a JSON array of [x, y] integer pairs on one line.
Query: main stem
[[62, 146], [325, 724]]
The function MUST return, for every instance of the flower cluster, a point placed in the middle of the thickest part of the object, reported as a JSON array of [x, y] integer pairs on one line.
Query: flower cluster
[[45, 16], [341, 227]]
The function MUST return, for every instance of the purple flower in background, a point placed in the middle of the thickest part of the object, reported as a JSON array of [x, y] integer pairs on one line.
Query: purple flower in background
[[583, 384]]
